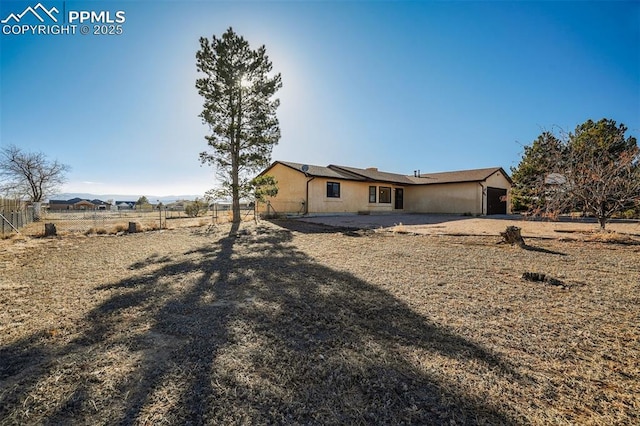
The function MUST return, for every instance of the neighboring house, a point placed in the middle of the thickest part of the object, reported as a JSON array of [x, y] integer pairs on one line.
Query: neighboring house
[[307, 189], [125, 205], [78, 204]]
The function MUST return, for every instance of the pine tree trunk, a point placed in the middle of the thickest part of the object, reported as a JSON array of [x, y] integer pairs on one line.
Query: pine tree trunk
[[235, 161], [235, 183]]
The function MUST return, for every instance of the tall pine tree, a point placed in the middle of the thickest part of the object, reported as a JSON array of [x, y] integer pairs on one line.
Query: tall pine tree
[[239, 106]]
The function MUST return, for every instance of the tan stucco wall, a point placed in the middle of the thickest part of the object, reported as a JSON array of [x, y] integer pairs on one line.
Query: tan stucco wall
[[458, 198], [354, 197], [291, 191], [444, 198], [497, 180]]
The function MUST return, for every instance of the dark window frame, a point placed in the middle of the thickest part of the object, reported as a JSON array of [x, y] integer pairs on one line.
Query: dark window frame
[[333, 189], [373, 194], [381, 199]]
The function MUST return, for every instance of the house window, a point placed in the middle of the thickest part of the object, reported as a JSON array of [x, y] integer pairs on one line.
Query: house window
[[372, 194], [385, 194], [333, 189]]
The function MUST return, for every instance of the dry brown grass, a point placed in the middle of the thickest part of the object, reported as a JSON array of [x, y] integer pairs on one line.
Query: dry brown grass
[[300, 323]]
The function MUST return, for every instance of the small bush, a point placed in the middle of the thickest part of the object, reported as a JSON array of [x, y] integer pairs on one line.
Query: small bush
[[196, 208], [151, 226]]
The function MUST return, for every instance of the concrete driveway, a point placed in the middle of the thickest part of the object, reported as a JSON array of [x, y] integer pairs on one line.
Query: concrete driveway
[[384, 220], [439, 224]]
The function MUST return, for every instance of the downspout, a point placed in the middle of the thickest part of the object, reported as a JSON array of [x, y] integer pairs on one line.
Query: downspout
[[483, 194], [306, 201]]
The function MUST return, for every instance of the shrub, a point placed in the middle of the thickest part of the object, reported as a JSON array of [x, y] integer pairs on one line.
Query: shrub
[[195, 208], [96, 231]]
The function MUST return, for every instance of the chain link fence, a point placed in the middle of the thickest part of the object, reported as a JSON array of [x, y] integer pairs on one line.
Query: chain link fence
[[15, 215], [114, 221]]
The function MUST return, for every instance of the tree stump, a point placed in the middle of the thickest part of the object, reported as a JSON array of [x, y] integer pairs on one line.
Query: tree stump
[[50, 230], [512, 236]]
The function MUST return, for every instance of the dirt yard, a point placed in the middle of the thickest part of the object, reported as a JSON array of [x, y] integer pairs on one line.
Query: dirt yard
[[291, 322]]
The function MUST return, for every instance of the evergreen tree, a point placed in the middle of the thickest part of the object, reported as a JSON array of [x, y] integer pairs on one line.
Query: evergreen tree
[[533, 168], [238, 89], [595, 169]]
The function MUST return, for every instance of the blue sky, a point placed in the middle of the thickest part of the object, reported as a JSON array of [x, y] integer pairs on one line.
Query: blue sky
[[400, 86]]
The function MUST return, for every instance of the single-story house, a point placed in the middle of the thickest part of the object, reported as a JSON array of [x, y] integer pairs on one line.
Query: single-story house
[[125, 205], [308, 189], [78, 204]]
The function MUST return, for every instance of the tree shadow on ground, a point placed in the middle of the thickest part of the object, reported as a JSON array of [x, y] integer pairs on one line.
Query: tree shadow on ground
[[307, 227], [542, 250], [249, 329]]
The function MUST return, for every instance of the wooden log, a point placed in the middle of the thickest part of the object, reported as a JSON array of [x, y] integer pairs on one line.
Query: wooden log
[[540, 277]]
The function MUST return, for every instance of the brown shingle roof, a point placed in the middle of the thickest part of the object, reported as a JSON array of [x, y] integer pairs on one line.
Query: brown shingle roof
[[318, 171], [475, 175], [353, 173], [375, 175]]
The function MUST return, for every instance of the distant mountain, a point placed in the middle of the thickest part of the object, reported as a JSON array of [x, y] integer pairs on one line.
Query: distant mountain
[[104, 197]]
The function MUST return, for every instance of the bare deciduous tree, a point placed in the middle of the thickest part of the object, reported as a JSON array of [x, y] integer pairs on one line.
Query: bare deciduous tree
[[600, 184], [30, 174], [596, 170]]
